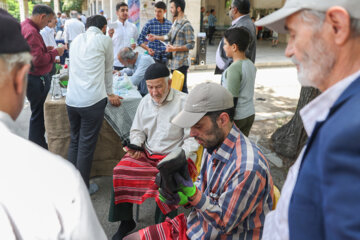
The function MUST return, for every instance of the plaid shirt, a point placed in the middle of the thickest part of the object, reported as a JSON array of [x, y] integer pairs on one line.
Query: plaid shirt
[[155, 27], [235, 189], [184, 37]]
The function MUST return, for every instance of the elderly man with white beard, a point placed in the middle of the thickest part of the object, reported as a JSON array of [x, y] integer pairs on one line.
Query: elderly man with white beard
[[320, 197], [152, 137]]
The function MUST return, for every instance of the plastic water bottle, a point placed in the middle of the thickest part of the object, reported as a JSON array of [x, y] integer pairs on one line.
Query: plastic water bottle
[[56, 91]]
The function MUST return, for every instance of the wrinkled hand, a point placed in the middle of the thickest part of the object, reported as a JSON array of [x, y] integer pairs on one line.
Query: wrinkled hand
[[170, 48], [111, 32], [178, 198], [115, 100], [135, 154], [186, 184], [151, 52], [151, 37]]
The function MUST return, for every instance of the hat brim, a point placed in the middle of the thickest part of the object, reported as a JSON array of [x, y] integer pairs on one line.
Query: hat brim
[[187, 119], [276, 20]]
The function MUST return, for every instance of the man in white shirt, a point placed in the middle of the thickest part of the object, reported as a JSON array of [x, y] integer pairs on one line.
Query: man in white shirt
[[320, 197], [89, 89], [152, 137], [123, 33], [48, 35], [72, 28], [42, 196]]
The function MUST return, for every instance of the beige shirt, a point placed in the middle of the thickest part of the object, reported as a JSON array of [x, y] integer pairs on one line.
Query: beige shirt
[[152, 126], [42, 196]]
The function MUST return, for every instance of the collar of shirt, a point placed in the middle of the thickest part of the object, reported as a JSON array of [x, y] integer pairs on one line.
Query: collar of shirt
[[95, 30], [28, 20], [222, 153], [169, 98], [236, 20], [7, 120], [180, 21], [121, 24], [318, 109], [49, 30]]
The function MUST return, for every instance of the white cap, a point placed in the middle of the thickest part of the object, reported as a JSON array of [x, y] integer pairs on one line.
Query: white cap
[[276, 20], [204, 98]]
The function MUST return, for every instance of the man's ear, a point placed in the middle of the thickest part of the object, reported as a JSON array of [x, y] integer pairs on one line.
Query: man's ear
[[224, 119], [20, 79], [339, 19]]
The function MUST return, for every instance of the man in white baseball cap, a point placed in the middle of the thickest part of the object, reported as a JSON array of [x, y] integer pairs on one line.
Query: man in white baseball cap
[[320, 198]]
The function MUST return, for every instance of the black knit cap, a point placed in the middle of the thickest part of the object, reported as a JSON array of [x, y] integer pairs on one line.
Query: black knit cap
[[156, 70], [11, 39]]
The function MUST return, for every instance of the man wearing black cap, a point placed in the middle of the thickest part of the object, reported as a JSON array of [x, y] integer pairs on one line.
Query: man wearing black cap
[[43, 60], [42, 195], [152, 137]]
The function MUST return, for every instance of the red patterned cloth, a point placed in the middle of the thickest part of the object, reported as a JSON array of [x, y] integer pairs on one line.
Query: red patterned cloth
[[171, 229], [134, 180]]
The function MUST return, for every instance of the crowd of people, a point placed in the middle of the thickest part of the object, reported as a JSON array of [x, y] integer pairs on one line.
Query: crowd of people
[[45, 197]]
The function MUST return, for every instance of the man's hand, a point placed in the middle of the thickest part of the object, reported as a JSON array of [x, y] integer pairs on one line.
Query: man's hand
[[111, 32], [135, 154], [170, 48], [133, 46], [151, 37], [117, 72], [151, 52], [60, 50], [178, 198], [49, 48], [115, 100], [186, 184]]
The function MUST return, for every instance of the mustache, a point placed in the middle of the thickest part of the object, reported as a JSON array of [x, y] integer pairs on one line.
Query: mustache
[[294, 60]]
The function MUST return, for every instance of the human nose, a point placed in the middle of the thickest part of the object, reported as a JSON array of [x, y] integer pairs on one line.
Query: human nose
[[193, 132], [289, 51]]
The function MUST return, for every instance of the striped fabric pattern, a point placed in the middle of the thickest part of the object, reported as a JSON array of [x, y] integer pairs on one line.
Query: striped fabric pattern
[[170, 229], [134, 180], [235, 192]]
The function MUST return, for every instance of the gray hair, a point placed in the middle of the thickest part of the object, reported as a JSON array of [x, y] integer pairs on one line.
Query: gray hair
[[127, 54], [73, 14], [9, 61], [309, 16]]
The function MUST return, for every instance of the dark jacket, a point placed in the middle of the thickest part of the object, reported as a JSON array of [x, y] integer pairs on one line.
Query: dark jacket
[[326, 199], [250, 53]]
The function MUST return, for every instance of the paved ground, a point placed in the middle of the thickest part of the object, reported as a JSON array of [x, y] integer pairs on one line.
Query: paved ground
[[276, 94]]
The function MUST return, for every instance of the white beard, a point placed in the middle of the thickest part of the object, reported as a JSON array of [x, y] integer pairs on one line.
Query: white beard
[[317, 63]]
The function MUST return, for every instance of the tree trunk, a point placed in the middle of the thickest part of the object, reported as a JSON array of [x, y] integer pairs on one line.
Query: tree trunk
[[289, 139]]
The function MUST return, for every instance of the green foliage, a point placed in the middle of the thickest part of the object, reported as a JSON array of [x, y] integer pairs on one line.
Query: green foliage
[[72, 5], [14, 9]]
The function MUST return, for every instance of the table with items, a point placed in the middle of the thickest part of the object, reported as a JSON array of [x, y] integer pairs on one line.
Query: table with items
[[115, 129]]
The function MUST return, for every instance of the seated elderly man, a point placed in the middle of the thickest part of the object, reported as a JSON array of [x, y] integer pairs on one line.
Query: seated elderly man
[[152, 130], [233, 192], [136, 65]]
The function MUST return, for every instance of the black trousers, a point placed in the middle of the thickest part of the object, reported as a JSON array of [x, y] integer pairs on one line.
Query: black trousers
[[37, 89], [211, 34], [85, 125], [183, 70]]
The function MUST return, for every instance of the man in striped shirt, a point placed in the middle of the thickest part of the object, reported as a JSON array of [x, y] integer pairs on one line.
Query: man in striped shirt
[[233, 192]]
